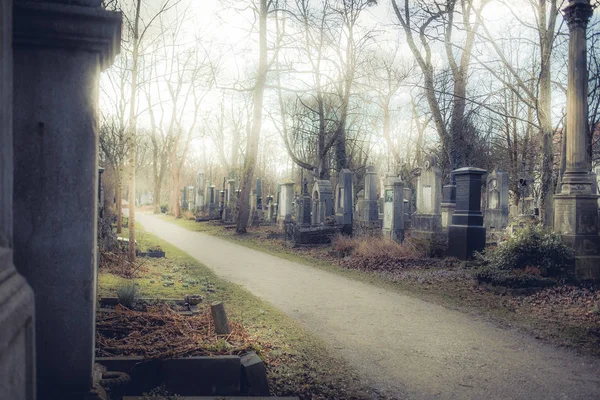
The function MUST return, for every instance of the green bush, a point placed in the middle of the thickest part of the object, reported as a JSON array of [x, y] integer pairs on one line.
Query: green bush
[[527, 258], [128, 294], [164, 208]]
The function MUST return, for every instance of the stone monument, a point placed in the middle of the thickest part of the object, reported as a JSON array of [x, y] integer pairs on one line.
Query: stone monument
[[576, 206], [427, 221], [200, 191], [393, 209], [322, 198], [466, 234], [343, 201], [496, 212], [285, 207]]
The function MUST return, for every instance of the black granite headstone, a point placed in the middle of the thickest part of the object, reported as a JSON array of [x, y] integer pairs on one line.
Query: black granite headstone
[[466, 234]]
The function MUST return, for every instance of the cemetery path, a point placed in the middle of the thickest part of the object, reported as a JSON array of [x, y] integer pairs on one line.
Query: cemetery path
[[402, 346]]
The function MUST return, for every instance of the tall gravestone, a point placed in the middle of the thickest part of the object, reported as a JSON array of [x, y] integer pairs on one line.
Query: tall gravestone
[[191, 206], [429, 185], [407, 207], [576, 206], [466, 234], [496, 212], [370, 211], [344, 200], [322, 198], [59, 49], [213, 202], [200, 192], [393, 209]]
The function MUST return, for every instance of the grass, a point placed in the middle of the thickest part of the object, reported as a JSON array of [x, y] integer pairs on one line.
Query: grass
[[459, 294], [298, 363]]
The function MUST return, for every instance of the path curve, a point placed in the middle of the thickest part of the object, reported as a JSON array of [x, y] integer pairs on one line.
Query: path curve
[[403, 346]]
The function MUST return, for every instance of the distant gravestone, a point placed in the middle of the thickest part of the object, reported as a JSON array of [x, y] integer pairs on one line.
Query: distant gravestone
[[429, 186], [213, 207], [343, 201], [466, 234], [200, 192], [407, 207], [322, 201], [393, 209], [497, 210]]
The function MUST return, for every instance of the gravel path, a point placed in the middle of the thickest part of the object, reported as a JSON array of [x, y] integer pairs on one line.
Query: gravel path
[[402, 346]]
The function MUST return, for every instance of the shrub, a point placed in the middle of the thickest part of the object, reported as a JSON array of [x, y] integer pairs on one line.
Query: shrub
[[128, 294], [164, 208], [527, 258], [373, 253]]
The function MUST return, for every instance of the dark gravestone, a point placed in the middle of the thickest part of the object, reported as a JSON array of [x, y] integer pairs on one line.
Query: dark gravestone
[[466, 234]]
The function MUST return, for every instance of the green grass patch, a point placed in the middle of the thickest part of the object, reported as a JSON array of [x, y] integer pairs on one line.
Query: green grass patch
[[298, 363]]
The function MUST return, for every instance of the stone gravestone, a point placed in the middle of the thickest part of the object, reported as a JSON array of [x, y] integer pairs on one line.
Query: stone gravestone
[[253, 207], [343, 202], [183, 200], [213, 206], [496, 213], [200, 190], [285, 206], [259, 203], [322, 198], [191, 199], [427, 221], [448, 204], [271, 216], [393, 209], [466, 234], [370, 212], [229, 202]]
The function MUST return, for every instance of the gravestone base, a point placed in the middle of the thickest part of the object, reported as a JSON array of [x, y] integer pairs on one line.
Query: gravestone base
[[433, 243], [367, 228], [427, 222], [463, 240], [496, 219], [308, 236], [576, 218], [447, 212], [304, 209], [370, 211], [346, 229], [396, 235]]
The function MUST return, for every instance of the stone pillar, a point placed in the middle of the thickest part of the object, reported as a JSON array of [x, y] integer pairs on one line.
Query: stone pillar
[[285, 207], [17, 365], [467, 234], [576, 206], [393, 209], [200, 190], [59, 49]]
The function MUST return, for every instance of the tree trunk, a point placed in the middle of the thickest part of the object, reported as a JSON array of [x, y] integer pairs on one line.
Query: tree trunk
[[132, 131], [119, 196], [254, 134]]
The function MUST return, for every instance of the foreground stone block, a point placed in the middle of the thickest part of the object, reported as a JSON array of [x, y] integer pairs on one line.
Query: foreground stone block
[[203, 375], [254, 376]]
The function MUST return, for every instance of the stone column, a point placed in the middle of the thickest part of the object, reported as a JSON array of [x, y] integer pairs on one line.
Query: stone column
[[448, 204], [17, 365], [59, 49], [576, 206], [467, 234]]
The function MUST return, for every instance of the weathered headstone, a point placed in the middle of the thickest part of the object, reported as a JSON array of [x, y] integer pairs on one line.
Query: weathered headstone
[[393, 209], [183, 201], [429, 185], [466, 234], [285, 207], [496, 213], [343, 201], [322, 198], [191, 199]]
